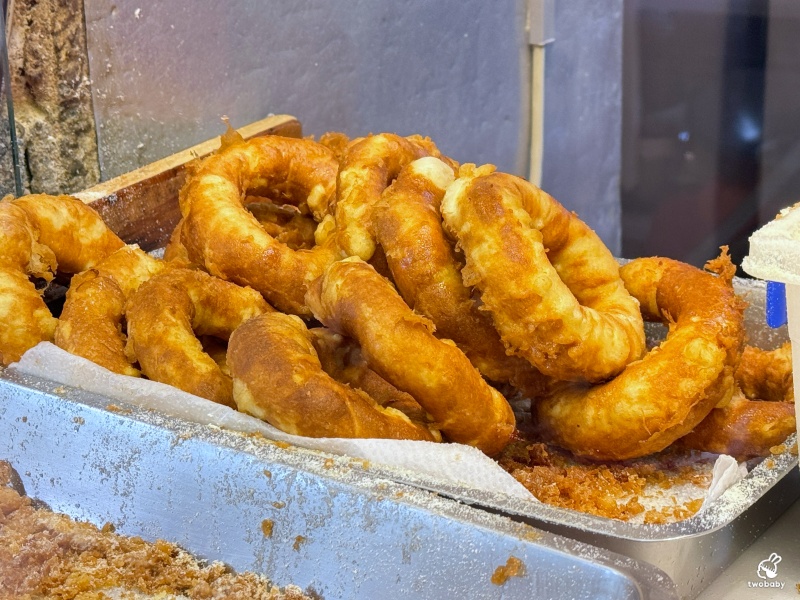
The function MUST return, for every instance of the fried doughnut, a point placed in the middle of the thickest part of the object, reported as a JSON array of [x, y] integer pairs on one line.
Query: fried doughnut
[[342, 359], [743, 428], [168, 313], [72, 230], [278, 378], [551, 285], [40, 235], [353, 300], [24, 318], [663, 396], [766, 374], [91, 322], [368, 166], [426, 272], [336, 141], [760, 415], [220, 234]]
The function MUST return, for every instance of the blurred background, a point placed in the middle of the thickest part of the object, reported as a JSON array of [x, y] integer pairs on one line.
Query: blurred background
[[711, 123]]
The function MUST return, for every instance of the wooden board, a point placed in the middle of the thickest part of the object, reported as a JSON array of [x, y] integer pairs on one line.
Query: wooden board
[[142, 206]]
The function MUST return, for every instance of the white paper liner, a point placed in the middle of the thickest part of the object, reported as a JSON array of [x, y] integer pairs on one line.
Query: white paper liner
[[453, 463], [726, 472]]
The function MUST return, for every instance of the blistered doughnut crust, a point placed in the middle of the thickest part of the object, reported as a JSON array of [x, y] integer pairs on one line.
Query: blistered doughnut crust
[[369, 165], [427, 273], [39, 236], [551, 285], [168, 313], [220, 234], [91, 321], [278, 377], [665, 395], [354, 300]]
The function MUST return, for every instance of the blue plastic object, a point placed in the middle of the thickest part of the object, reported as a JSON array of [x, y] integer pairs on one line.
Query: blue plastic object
[[776, 304]]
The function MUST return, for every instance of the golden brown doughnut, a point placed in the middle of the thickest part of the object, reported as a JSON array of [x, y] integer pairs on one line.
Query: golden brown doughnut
[[353, 300], [40, 235], [551, 285], [342, 359], [168, 313], [427, 274], [760, 415], [91, 322], [278, 378], [219, 233], [663, 396], [767, 374], [24, 318], [369, 165], [742, 428], [72, 230]]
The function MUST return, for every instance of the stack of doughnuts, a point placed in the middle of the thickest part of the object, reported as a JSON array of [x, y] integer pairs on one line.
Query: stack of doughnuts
[[376, 288]]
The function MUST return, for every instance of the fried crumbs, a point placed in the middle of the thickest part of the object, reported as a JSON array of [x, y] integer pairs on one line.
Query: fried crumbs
[[612, 490]]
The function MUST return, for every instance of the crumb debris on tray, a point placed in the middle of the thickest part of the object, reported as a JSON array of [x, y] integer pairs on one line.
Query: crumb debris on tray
[[49, 555], [653, 490]]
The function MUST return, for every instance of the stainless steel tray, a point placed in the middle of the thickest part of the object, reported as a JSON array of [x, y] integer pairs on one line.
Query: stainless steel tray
[[693, 552], [338, 530]]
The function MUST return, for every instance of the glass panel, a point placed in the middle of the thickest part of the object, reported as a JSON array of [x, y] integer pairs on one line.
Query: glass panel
[[710, 148], [11, 180]]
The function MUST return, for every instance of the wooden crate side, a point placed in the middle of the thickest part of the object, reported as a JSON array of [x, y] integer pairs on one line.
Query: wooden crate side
[[142, 206]]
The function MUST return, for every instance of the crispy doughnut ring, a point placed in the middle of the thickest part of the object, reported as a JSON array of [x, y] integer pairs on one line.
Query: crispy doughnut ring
[[342, 359], [663, 396], [353, 300], [551, 285], [219, 233], [72, 230], [369, 165], [743, 428], [25, 319], [767, 374], [295, 230], [91, 322], [40, 234], [167, 313], [278, 378], [424, 267], [760, 415]]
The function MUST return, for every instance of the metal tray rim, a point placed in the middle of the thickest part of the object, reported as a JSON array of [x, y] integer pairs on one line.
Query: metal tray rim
[[725, 509], [346, 471]]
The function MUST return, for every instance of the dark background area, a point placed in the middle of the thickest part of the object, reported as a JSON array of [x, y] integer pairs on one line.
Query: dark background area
[[711, 125]]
